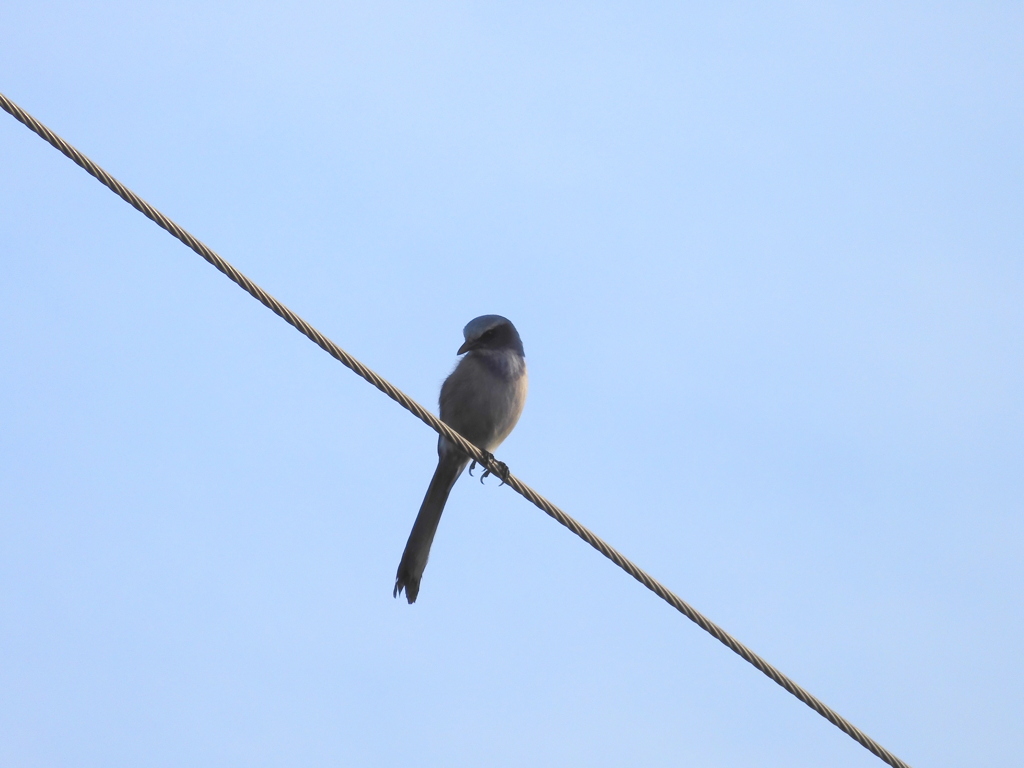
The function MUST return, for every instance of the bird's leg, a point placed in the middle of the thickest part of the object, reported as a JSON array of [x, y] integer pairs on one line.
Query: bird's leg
[[472, 467]]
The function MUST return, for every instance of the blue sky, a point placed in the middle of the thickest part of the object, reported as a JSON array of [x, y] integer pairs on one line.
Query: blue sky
[[767, 263]]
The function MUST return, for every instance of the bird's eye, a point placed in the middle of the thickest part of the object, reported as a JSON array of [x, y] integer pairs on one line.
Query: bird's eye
[[487, 336]]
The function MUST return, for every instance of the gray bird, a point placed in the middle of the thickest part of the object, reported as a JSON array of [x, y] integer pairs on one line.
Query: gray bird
[[481, 400]]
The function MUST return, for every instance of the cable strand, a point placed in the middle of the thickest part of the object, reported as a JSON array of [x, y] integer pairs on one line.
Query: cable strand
[[441, 428]]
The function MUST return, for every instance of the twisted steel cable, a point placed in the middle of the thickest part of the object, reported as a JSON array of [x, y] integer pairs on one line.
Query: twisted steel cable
[[481, 457]]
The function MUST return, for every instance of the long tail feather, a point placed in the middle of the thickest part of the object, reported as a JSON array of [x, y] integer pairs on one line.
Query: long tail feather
[[417, 549]]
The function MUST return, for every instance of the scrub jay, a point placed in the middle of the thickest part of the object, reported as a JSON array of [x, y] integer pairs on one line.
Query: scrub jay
[[481, 400]]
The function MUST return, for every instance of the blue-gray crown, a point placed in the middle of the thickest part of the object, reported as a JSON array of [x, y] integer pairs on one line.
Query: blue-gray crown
[[478, 326], [491, 332]]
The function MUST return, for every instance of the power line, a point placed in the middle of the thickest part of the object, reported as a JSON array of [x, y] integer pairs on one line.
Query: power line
[[481, 457]]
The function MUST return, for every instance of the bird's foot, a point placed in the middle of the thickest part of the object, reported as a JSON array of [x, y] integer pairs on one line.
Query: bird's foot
[[494, 467]]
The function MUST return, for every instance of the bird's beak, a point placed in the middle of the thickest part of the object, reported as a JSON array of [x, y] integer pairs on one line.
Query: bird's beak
[[465, 348]]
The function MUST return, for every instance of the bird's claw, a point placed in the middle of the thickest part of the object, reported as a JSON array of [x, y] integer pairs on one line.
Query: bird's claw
[[499, 468]]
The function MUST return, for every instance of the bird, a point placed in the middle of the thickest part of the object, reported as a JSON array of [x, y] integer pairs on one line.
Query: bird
[[482, 400]]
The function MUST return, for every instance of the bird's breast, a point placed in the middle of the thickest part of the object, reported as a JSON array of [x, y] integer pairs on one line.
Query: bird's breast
[[484, 397]]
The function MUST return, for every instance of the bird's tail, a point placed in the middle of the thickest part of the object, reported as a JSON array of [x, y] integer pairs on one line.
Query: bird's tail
[[417, 549]]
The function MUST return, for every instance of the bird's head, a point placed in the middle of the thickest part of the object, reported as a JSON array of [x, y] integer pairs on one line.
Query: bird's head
[[491, 332]]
